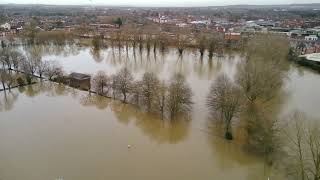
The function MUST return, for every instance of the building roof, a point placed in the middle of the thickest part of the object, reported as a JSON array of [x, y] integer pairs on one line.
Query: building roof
[[312, 57], [79, 76]]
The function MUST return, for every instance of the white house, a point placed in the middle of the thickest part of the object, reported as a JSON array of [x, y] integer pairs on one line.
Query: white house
[[6, 26], [311, 38], [182, 25], [160, 19]]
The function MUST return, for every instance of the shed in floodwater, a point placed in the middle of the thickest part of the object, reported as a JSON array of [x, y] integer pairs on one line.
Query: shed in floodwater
[[79, 80]]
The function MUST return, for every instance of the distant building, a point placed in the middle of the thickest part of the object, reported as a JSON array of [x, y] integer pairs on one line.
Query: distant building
[[161, 19], [232, 36], [6, 26], [311, 38], [182, 25], [220, 28], [79, 80]]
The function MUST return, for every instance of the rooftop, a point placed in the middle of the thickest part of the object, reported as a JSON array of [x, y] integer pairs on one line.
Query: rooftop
[[79, 76]]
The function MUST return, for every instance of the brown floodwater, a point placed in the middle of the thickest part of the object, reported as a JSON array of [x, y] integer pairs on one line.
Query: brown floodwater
[[49, 131]]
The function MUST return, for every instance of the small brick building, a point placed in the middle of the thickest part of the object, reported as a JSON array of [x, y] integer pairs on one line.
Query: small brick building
[[79, 80]]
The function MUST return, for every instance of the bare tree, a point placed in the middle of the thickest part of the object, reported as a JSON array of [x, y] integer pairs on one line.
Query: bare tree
[[162, 43], [42, 66], [7, 78], [53, 70], [140, 40], [134, 39], [304, 148], [118, 39], [150, 84], [28, 67], [97, 42], [31, 31], [202, 45], [100, 81], [155, 43], [179, 96], [181, 43], [5, 58], [113, 86], [261, 74], [211, 47], [224, 101], [34, 56], [3, 78], [16, 58], [297, 144], [136, 92], [160, 98], [10, 80], [264, 132], [123, 83], [314, 148], [148, 43]]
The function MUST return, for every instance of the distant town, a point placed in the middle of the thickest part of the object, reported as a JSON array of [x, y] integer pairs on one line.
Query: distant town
[[162, 93], [299, 23]]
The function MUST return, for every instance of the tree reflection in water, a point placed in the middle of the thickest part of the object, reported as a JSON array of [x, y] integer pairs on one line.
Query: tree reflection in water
[[161, 131], [97, 54], [94, 100], [7, 100]]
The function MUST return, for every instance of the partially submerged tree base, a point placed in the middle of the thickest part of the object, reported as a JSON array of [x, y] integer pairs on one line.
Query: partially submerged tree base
[[228, 136]]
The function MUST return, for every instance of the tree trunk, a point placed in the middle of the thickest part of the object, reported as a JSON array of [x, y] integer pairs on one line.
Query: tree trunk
[[228, 134], [124, 97], [3, 86], [102, 90]]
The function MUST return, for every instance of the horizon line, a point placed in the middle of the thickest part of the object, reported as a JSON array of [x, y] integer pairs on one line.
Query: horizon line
[[162, 6]]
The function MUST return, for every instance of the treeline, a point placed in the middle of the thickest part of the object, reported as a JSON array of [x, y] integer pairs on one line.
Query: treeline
[[166, 99], [150, 37], [246, 106], [244, 103], [213, 44], [26, 67], [249, 103], [47, 37], [32, 34]]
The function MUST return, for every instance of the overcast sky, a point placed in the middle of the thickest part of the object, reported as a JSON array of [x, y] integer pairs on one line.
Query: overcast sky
[[157, 2]]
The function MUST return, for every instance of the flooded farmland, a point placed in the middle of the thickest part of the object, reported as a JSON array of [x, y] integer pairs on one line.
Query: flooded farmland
[[50, 131]]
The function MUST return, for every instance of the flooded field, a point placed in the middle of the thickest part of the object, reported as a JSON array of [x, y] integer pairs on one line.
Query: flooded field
[[49, 131]]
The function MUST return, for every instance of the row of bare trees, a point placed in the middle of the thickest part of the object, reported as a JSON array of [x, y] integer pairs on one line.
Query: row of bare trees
[[151, 94], [10, 59], [28, 65], [212, 43], [139, 40]]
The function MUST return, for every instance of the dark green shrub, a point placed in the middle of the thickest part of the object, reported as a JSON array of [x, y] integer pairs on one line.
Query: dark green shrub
[[228, 136], [20, 81]]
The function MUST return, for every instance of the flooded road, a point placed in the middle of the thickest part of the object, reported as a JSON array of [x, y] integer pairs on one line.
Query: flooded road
[[49, 131]]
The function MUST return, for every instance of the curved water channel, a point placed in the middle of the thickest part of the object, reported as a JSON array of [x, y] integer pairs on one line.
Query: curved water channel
[[49, 131]]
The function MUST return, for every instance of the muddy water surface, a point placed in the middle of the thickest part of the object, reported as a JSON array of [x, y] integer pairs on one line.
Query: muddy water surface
[[49, 131]]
